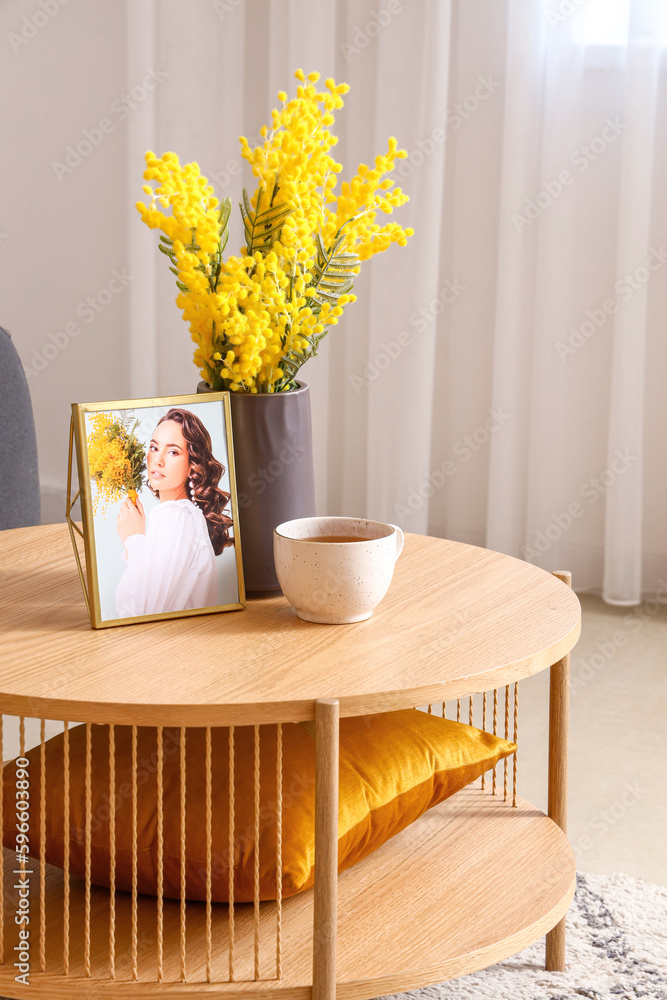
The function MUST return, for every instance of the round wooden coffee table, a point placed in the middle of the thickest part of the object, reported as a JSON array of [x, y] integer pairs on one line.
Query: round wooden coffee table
[[474, 880]]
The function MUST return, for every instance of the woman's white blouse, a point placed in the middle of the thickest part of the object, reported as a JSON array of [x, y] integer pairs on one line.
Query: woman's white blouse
[[172, 566]]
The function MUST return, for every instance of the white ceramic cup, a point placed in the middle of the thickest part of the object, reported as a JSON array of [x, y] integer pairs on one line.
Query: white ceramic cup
[[334, 583]]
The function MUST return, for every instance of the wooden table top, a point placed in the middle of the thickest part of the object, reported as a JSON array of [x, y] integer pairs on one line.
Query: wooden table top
[[457, 619]]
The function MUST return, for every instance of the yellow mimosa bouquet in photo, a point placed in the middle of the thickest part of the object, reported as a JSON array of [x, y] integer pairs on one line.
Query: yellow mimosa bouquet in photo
[[258, 316], [116, 459]]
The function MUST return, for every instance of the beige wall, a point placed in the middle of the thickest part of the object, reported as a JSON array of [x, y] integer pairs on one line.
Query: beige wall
[[62, 241]]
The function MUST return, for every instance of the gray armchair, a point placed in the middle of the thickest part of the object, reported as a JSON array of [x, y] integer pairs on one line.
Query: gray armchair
[[19, 480]]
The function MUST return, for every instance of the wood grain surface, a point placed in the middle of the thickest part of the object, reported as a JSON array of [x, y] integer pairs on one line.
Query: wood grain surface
[[471, 882], [559, 718], [325, 903], [457, 619]]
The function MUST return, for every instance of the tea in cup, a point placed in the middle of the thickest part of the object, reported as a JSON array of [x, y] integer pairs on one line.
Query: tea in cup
[[335, 570]]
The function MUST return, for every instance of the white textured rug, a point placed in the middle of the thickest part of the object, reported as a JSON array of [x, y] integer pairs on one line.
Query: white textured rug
[[616, 950]]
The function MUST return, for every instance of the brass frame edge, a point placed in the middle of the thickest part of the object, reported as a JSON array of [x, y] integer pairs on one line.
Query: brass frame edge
[[71, 524], [78, 436]]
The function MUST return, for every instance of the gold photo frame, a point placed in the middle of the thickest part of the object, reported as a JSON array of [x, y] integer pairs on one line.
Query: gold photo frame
[[180, 554]]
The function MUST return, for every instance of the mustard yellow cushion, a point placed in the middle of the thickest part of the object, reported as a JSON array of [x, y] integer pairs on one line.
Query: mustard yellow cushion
[[393, 767]]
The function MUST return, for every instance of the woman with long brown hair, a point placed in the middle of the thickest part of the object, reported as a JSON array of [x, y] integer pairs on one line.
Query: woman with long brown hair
[[171, 554]]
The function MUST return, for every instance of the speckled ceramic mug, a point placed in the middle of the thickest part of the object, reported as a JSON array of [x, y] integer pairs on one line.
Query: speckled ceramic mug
[[335, 582]]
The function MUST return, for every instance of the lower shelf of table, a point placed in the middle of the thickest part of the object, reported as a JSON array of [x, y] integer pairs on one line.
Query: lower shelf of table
[[472, 882]]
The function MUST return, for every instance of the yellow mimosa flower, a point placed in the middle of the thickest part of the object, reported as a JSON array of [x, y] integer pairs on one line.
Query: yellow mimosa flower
[[257, 317]]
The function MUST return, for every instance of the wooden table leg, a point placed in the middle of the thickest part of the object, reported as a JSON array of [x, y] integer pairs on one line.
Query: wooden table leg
[[559, 703], [326, 849]]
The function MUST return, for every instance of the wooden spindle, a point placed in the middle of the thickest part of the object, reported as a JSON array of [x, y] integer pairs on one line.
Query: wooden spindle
[[559, 708], [183, 856], [515, 739], [88, 823], [160, 855], [230, 905], [495, 733], [326, 849], [42, 844], [458, 709], [112, 851], [256, 873], [209, 849], [279, 851], [66, 837], [135, 904], [484, 728], [470, 710], [507, 732]]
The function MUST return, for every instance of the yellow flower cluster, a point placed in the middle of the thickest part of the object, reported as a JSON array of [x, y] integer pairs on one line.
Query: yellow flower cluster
[[257, 317], [370, 191], [194, 207], [115, 460]]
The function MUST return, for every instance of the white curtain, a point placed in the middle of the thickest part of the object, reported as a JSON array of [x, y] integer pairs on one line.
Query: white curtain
[[500, 381], [492, 382], [571, 479]]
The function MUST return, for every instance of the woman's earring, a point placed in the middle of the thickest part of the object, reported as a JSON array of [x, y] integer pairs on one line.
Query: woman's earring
[[192, 493]]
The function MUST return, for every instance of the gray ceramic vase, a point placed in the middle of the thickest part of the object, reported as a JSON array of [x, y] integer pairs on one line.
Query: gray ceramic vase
[[273, 454]]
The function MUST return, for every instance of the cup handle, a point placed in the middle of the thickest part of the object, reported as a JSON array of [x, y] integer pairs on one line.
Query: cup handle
[[400, 539]]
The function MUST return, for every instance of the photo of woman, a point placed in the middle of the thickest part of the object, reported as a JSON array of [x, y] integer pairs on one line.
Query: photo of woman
[[162, 523], [171, 554]]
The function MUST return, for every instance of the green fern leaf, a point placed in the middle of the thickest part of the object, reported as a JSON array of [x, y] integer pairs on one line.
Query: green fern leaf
[[223, 217], [225, 212], [262, 228], [333, 274]]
